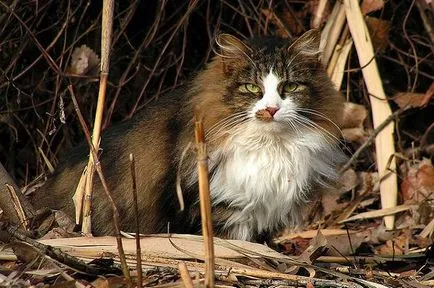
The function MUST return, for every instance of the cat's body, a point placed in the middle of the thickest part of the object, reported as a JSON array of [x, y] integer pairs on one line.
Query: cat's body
[[270, 114]]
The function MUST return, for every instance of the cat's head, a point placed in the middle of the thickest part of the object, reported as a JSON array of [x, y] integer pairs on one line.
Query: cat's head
[[273, 81]]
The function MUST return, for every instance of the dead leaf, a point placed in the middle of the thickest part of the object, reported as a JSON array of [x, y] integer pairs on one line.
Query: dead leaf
[[26, 253], [352, 122], [317, 247], [340, 244], [369, 183], [369, 6], [357, 135], [379, 31], [354, 115], [396, 246], [330, 197], [409, 100], [295, 246], [83, 60], [418, 184]]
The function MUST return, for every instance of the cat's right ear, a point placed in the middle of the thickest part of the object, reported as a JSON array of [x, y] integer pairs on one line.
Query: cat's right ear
[[232, 47], [233, 51]]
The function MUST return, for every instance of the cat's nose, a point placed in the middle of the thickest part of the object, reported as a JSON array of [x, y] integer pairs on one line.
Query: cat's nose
[[272, 110]]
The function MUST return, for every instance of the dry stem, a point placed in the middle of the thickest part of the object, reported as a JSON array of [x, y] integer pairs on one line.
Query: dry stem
[[107, 26], [205, 203], [136, 210], [98, 168], [384, 142]]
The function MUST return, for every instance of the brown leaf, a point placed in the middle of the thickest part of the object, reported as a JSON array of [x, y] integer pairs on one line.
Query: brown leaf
[[419, 179], [83, 60], [409, 100], [330, 197], [371, 5], [397, 246], [379, 31], [357, 135], [354, 115], [352, 122], [316, 248], [340, 244], [295, 246]]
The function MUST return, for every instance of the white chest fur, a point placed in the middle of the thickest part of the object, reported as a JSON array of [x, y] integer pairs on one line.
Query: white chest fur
[[263, 175]]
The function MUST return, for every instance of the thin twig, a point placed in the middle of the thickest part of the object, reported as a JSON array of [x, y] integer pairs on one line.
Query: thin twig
[[98, 168], [136, 210], [370, 140]]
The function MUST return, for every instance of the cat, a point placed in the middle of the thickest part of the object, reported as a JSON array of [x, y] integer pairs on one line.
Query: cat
[[271, 117]]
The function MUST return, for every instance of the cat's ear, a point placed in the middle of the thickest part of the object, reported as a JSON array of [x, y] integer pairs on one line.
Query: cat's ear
[[307, 44], [232, 47]]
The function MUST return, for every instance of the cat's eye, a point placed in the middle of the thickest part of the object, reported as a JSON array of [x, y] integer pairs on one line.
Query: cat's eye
[[249, 87], [292, 87]]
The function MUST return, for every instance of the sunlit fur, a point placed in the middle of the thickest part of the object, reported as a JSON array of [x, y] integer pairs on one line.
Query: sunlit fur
[[263, 168]]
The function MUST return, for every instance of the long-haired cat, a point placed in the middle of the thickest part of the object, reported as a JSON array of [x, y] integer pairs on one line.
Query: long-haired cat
[[271, 118]]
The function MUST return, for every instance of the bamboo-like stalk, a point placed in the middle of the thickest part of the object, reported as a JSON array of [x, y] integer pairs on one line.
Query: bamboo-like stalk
[[384, 142], [205, 203], [333, 32], [106, 34]]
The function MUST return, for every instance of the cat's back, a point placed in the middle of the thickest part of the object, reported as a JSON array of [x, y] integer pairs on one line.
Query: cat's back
[[151, 136]]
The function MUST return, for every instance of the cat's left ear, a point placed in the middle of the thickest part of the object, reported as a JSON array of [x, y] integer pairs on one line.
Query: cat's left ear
[[307, 44]]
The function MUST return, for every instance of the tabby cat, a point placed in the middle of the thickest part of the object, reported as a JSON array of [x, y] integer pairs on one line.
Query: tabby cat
[[271, 117]]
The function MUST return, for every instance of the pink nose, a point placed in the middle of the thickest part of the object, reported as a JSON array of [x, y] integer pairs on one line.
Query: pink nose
[[272, 110]]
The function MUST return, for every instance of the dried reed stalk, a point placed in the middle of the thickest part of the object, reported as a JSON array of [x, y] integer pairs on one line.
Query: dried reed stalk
[[136, 210], [331, 32], [107, 26], [205, 203], [384, 142], [185, 276], [98, 168]]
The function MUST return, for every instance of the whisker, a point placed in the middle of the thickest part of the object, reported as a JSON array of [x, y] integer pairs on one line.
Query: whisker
[[323, 116]]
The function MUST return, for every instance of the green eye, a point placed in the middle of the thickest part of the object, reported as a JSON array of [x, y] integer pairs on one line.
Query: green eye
[[292, 87], [252, 88]]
